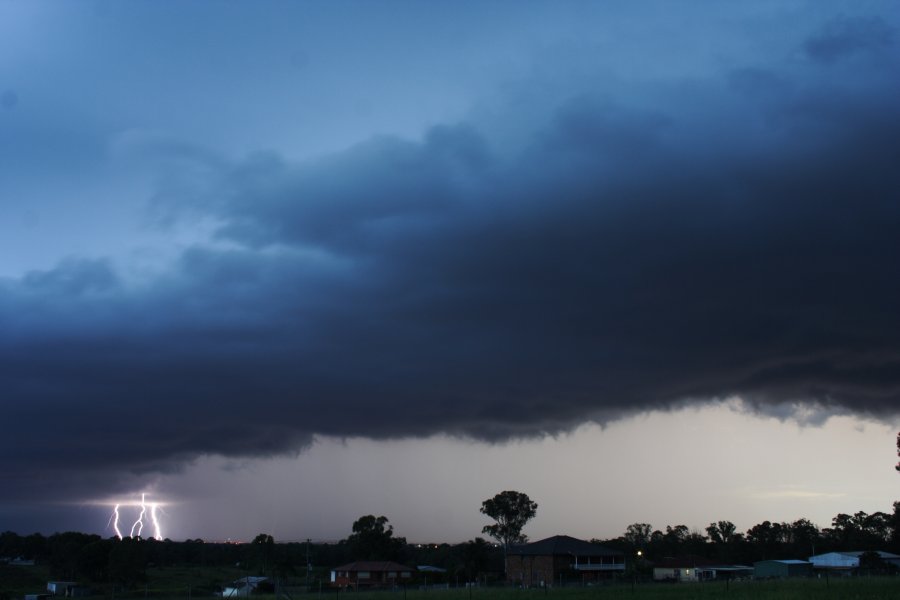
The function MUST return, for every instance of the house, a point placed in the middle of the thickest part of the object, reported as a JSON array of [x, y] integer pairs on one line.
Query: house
[[848, 562], [684, 568], [371, 574], [430, 574], [834, 562], [886, 557], [561, 558], [243, 587], [768, 569], [723, 572]]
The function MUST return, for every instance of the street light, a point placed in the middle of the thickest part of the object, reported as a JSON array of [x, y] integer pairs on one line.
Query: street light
[[634, 570]]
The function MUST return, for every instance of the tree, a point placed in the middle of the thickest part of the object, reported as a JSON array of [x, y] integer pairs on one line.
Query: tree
[[895, 528], [804, 535], [264, 544], [511, 511], [721, 532], [767, 539], [476, 557], [373, 538], [128, 561], [638, 535]]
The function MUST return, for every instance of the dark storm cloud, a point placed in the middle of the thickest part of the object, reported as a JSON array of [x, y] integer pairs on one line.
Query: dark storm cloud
[[734, 236], [845, 36]]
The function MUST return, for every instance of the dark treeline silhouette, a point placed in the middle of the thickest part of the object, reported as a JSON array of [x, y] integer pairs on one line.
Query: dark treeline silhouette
[[91, 558], [720, 541]]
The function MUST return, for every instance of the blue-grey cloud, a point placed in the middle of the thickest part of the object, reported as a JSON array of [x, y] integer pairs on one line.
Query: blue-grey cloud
[[731, 236], [845, 36]]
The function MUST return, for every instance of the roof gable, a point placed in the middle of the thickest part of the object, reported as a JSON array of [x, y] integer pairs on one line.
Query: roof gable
[[688, 561], [562, 545], [375, 566], [881, 554]]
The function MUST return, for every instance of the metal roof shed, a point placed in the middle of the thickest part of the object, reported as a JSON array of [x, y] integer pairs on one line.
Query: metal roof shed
[[767, 569]]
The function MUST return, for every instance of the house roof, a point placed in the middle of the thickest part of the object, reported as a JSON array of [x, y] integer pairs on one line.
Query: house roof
[[562, 545], [243, 582], [373, 566], [883, 555], [430, 569], [687, 561]]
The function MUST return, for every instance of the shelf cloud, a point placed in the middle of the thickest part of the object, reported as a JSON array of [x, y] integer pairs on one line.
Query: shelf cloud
[[630, 248]]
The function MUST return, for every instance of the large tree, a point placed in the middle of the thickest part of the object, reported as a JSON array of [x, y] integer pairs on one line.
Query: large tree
[[264, 546], [373, 539], [638, 535], [511, 511]]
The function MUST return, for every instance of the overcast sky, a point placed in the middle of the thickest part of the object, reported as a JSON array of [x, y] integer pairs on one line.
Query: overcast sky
[[279, 265]]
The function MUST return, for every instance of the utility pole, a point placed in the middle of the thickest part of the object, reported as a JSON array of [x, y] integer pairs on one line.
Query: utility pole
[[308, 565]]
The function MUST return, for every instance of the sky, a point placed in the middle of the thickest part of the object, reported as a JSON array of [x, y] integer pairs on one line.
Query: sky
[[277, 265]]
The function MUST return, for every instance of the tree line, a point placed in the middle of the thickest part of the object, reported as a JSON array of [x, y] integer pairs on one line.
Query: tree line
[[722, 542], [90, 558]]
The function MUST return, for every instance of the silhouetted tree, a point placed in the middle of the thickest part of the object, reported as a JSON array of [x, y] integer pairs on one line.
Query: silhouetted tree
[[128, 561], [721, 532], [803, 537], [511, 511], [263, 545], [637, 535], [373, 538], [767, 539], [93, 561], [476, 556], [895, 528]]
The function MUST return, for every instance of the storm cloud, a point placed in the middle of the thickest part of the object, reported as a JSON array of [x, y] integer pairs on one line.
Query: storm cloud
[[642, 247]]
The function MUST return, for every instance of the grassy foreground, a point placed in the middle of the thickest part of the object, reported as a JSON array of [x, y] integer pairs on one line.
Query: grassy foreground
[[177, 584], [869, 588], [874, 588]]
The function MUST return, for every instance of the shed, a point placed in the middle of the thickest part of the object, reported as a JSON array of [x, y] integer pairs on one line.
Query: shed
[[60, 588], [769, 569], [243, 587], [834, 561], [886, 557]]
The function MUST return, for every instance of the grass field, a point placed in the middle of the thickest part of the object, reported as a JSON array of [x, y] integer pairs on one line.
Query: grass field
[[181, 584], [875, 588]]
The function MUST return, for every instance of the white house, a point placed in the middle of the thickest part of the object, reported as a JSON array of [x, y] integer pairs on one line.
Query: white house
[[887, 557], [847, 561], [684, 569]]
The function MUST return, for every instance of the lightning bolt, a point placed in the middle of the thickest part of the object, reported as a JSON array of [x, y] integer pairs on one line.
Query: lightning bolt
[[115, 521], [138, 527], [155, 521], [139, 524]]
